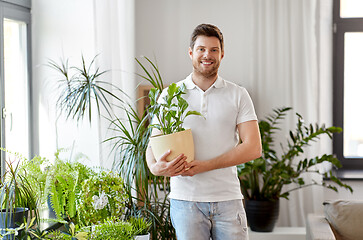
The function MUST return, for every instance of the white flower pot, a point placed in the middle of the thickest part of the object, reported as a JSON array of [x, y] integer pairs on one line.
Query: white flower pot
[[143, 237], [178, 143]]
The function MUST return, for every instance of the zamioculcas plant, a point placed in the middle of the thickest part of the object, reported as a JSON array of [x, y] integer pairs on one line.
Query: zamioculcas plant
[[264, 178]]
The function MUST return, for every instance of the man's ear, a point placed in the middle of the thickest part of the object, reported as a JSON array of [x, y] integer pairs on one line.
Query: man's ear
[[190, 51], [222, 55]]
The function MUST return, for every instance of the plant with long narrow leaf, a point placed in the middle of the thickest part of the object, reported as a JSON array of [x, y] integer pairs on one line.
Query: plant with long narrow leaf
[[78, 89], [264, 178], [15, 189]]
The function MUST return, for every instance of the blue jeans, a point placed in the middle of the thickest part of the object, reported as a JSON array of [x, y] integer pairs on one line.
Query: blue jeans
[[209, 220]]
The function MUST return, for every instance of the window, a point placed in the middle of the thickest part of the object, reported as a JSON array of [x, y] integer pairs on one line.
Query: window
[[15, 71], [348, 82]]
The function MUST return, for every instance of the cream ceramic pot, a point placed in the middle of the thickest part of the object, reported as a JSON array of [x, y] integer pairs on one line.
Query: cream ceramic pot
[[178, 143]]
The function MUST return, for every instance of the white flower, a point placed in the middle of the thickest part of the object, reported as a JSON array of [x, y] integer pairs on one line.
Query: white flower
[[99, 202]]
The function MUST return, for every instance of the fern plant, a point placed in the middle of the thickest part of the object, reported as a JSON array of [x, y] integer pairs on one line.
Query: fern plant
[[63, 185]]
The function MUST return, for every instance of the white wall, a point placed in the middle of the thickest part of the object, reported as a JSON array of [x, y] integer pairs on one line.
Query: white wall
[[163, 30], [61, 29]]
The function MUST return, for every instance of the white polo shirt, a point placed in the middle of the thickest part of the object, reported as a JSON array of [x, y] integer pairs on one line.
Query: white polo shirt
[[224, 105]]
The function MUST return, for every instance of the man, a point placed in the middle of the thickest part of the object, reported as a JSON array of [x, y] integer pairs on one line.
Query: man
[[205, 197]]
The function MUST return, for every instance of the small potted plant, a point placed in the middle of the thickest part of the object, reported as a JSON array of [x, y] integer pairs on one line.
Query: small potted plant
[[17, 198], [112, 229], [170, 114], [141, 228], [63, 185]]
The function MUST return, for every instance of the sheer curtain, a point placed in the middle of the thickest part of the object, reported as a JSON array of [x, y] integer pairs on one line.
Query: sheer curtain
[[115, 44], [292, 66]]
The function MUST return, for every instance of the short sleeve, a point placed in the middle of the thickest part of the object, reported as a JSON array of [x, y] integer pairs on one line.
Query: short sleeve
[[246, 110]]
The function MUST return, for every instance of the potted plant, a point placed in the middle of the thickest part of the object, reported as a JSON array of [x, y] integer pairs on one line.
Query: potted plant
[[130, 141], [63, 186], [262, 180], [112, 229], [17, 198], [170, 114], [141, 228], [103, 196]]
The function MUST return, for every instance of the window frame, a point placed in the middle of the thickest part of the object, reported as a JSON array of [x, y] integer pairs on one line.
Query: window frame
[[340, 27], [17, 10]]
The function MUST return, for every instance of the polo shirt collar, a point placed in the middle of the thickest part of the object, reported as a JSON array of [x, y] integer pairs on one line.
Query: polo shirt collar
[[189, 84]]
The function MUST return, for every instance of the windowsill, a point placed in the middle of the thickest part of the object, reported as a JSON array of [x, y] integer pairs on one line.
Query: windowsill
[[346, 174]]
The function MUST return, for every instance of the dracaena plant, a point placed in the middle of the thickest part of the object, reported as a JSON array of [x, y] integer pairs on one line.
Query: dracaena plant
[[265, 177], [171, 111]]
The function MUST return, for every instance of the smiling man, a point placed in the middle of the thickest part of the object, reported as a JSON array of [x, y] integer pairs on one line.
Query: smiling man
[[205, 197]]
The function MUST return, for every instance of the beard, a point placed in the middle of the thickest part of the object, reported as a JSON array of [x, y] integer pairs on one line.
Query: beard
[[206, 72]]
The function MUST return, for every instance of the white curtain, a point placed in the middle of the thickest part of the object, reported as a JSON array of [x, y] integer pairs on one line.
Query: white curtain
[[292, 67], [115, 44]]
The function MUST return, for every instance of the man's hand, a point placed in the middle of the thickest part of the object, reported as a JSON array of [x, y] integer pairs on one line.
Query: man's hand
[[195, 167], [169, 169]]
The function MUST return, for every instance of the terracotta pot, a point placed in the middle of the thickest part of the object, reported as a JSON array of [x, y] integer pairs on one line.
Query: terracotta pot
[[178, 143]]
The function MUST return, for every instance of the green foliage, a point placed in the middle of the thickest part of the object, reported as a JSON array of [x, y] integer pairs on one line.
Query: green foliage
[[15, 189], [27, 231], [140, 225], [130, 143], [264, 178], [78, 90], [75, 232], [63, 185], [102, 196], [113, 230], [34, 171], [171, 111], [58, 235]]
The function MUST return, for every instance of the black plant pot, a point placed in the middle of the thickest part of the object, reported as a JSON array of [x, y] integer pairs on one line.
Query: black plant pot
[[262, 215], [11, 220]]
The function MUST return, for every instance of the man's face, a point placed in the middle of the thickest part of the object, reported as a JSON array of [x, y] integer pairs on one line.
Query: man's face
[[206, 55]]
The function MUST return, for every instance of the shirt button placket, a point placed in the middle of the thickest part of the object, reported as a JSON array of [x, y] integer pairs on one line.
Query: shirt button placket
[[204, 103]]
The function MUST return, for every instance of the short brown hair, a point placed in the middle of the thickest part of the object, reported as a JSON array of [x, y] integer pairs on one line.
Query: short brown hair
[[208, 30]]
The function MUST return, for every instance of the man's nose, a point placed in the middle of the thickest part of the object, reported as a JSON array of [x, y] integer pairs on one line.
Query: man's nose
[[207, 53]]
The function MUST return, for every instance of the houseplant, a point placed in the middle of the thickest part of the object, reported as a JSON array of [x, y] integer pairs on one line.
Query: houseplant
[[80, 86], [262, 180], [140, 228], [63, 185], [114, 229], [17, 198], [102, 196], [129, 143], [170, 114]]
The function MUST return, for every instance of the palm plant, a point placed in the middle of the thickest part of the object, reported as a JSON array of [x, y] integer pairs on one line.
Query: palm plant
[[80, 89], [264, 178]]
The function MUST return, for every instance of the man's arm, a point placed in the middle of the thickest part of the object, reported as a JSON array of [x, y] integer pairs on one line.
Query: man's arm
[[163, 167], [248, 150]]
